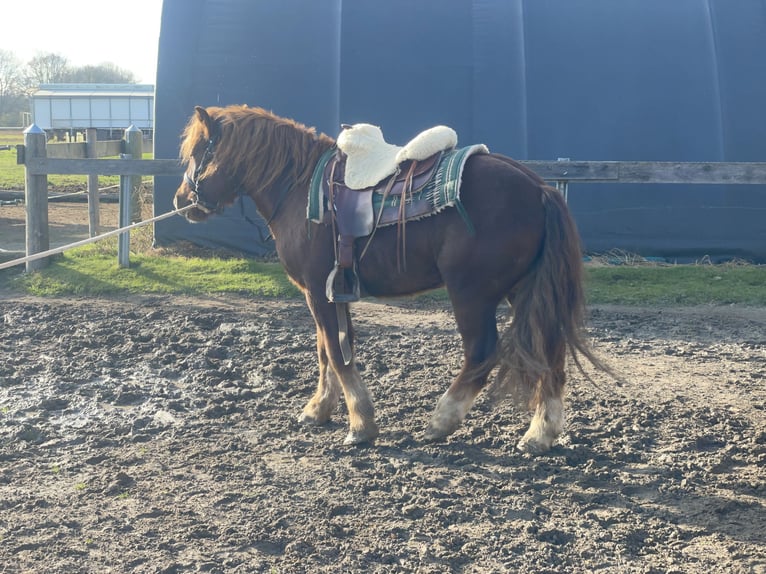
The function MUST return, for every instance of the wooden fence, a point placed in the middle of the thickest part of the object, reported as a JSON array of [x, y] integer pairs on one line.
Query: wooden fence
[[565, 171], [41, 160]]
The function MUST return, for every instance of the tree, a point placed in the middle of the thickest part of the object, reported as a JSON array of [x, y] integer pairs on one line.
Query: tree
[[104, 73], [10, 85], [48, 69], [18, 82]]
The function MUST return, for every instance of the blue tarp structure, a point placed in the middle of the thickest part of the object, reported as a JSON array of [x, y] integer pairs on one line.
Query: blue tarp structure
[[634, 80]]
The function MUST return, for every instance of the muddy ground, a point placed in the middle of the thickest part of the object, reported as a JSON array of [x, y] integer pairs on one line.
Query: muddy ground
[[160, 435]]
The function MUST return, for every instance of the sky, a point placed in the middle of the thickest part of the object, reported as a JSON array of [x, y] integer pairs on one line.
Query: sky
[[87, 32]]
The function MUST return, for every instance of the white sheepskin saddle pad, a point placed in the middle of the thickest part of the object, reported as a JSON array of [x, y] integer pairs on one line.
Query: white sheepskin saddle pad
[[369, 159]]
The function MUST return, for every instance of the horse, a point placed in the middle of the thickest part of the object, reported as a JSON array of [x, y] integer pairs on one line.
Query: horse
[[523, 249]]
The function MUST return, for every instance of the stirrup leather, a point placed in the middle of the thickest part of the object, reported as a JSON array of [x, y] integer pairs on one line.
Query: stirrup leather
[[343, 285]]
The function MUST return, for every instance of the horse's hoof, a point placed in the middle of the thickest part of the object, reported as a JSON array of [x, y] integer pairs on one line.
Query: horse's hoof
[[310, 420], [533, 446], [433, 434], [360, 437], [447, 417], [440, 427]]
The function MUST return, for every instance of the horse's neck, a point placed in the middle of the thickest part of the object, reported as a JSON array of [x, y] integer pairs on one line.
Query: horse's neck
[[293, 178]]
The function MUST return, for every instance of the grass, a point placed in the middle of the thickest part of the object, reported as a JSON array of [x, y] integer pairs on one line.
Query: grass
[[678, 285], [12, 174], [11, 137], [93, 271]]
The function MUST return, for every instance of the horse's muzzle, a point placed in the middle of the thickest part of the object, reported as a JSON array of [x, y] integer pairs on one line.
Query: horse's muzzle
[[194, 215]]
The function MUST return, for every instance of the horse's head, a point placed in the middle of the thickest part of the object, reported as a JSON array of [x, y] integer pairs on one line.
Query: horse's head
[[238, 151], [204, 184]]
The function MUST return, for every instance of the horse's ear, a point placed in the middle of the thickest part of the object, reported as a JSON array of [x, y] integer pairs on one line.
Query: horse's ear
[[204, 117]]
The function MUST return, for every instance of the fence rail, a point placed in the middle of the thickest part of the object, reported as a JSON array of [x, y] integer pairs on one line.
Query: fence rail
[[732, 173], [149, 167], [82, 158], [85, 149], [736, 173]]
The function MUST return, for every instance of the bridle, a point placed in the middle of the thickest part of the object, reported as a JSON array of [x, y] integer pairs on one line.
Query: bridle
[[209, 207], [193, 181]]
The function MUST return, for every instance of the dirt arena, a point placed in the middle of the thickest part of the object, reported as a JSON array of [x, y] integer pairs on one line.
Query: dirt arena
[[160, 435]]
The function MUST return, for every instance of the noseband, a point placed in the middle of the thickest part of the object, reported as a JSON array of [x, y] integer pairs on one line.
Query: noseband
[[198, 200]]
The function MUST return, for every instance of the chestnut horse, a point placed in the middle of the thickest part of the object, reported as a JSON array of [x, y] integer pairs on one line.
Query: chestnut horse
[[524, 249]]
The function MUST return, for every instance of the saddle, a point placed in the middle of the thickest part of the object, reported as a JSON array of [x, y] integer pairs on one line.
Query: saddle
[[370, 159], [362, 167], [365, 183]]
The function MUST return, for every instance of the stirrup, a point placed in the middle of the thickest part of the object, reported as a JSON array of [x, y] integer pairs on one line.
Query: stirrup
[[335, 288]]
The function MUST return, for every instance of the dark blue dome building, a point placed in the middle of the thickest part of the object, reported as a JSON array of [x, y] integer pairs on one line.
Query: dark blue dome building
[[648, 80]]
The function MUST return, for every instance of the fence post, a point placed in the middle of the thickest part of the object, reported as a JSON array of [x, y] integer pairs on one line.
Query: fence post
[[123, 239], [563, 184], [93, 200], [134, 146], [36, 197]]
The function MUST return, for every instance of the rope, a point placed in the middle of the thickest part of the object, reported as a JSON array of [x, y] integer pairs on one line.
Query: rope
[[54, 197], [63, 195], [112, 233]]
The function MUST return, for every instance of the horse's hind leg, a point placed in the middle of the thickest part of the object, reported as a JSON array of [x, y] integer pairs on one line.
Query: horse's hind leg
[[548, 417], [478, 328], [547, 424]]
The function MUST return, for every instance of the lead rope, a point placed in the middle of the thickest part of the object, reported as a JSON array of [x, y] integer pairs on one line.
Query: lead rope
[[118, 231]]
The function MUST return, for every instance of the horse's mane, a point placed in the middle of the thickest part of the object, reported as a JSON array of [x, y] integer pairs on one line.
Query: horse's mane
[[258, 145]]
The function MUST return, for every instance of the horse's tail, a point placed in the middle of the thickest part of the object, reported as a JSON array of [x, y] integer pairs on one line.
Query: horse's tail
[[548, 313]]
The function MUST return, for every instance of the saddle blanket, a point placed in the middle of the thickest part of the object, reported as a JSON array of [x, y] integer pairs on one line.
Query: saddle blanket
[[441, 191]]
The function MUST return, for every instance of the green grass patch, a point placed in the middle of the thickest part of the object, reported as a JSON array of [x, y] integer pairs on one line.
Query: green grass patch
[[11, 137], [681, 285], [93, 270], [12, 174]]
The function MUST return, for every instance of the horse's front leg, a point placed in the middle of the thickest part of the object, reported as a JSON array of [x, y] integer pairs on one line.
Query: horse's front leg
[[321, 406], [361, 413]]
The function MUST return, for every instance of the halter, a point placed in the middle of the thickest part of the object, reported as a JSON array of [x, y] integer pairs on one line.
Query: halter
[[209, 207], [194, 182]]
